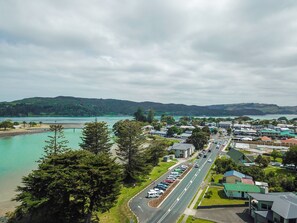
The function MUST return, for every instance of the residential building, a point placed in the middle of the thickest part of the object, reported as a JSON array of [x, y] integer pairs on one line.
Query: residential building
[[240, 190], [240, 158], [234, 176], [225, 125], [182, 150], [273, 207]]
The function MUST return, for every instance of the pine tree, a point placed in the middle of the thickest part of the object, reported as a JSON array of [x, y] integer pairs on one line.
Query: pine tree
[[150, 116], [129, 140], [96, 137], [68, 187], [57, 143]]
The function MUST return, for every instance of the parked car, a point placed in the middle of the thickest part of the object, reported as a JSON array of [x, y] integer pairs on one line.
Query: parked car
[[196, 165], [160, 184], [168, 181], [209, 160], [184, 167], [159, 191], [204, 156], [152, 194], [161, 187]]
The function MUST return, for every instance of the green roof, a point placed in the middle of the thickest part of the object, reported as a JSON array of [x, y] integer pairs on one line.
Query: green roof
[[242, 187], [239, 157]]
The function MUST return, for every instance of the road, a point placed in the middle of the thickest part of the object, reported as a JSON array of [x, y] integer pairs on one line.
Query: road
[[176, 203]]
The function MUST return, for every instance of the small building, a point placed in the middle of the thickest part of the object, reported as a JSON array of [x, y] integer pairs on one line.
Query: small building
[[240, 190], [266, 139], [159, 133], [225, 125], [234, 176], [291, 141], [273, 207], [240, 158], [182, 150]]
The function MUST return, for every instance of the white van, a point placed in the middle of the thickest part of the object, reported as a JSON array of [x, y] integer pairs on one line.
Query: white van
[[152, 194]]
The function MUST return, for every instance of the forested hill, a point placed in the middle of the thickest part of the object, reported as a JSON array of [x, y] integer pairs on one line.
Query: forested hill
[[71, 106]]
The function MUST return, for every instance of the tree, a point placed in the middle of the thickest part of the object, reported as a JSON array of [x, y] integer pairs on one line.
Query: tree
[[229, 131], [139, 116], [7, 124], [198, 139], [173, 130], [129, 140], [275, 154], [150, 116], [262, 161], [96, 137], [69, 187], [24, 123], [155, 151], [206, 130], [290, 157], [168, 119], [56, 143]]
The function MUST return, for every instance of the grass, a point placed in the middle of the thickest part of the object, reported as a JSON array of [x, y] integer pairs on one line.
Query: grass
[[121, 211], [200, 198], [180, 219], [192, 219], [219, 198], [217, 177], [277, 170]]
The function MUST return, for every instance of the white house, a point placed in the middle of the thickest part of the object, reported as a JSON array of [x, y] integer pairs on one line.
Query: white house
[[182, 150]]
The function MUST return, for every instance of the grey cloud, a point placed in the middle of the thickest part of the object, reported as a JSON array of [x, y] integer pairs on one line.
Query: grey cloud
[[192, 52]]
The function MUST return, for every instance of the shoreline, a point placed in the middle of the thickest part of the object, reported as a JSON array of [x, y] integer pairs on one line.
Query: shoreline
[[40, 129]]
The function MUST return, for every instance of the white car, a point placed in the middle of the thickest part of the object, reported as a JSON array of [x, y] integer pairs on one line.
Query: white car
[[209, 160], [159, 191]]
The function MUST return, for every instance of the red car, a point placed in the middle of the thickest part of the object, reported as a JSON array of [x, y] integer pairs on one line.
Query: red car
[[168, 181]]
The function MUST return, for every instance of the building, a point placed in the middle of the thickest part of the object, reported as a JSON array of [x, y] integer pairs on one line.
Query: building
[[182, 150], [291, 141], [225, 125], [277, 133], [234, 176], [240, 190], [240, 158], [273, 207]]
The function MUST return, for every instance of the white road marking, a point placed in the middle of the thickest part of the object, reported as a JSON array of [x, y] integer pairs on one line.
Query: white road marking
[[140, 208]]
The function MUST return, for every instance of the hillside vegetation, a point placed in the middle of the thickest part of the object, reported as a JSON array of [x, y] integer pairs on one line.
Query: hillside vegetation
[[72, 106]]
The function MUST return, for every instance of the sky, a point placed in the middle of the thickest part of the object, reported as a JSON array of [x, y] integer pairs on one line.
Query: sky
[[193, 52]]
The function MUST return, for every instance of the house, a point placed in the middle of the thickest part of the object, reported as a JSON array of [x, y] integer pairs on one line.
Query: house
[[159, 133], [291, 141], [225, 125], [240, 190], [266, 139], [182, 150], [234, 176], [239, 157], [273, 207]]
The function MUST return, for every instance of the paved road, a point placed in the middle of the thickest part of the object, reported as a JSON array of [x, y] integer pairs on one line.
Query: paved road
[[178, 200]]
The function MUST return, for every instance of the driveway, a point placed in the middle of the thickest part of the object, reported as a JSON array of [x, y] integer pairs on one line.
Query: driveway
[[222, 215]]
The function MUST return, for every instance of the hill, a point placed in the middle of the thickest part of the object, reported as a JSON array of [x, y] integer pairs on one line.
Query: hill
[[72, 106]]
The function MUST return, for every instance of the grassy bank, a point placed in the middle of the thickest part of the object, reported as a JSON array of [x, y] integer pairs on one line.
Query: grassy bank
[[121, 212], [192, 219]]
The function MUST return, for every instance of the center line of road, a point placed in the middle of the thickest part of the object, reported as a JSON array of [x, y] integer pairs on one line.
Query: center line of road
[[182, 194]]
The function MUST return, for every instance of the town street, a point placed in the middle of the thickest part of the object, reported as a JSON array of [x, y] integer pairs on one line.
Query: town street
[[176, 203]]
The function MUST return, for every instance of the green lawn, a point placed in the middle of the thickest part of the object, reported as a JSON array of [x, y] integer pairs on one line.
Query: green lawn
[[219, 198], [192, 219], [217, 177], [121, 212], [278, 170], [180, 219], [200, 198]]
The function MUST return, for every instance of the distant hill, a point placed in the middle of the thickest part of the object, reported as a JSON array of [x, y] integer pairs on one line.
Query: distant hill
[[72, 106]]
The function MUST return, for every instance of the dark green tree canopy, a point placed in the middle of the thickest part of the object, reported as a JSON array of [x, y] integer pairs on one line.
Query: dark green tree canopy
[[290, 156], [96, 137], [129, 141], [68, 188], [139, 115]]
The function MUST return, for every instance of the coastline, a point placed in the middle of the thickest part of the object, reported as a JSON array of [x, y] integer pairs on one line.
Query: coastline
[[39, 129]]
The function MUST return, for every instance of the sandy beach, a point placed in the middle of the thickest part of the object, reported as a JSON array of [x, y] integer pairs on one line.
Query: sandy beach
[[37, 129]]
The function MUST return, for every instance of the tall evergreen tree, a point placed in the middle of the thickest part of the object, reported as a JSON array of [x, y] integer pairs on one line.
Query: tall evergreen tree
[[155, 151], [57, 143], [129, 140], [68, 188], [150, 116], [96, 137], [198, 139], [139, 115]]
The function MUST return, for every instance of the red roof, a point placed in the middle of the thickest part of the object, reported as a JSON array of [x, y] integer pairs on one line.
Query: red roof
[[265, 138], [247, 181], [291, 141]]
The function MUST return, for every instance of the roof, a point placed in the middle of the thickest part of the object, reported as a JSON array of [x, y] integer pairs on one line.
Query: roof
[[284, 204], [181, 146], [234, 173], [238, 157], [265, 214], [265, 138], [291, 141], [242, 187], [247, 181]]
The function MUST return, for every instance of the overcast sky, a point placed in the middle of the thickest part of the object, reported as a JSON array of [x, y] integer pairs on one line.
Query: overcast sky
[[171, 51]]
